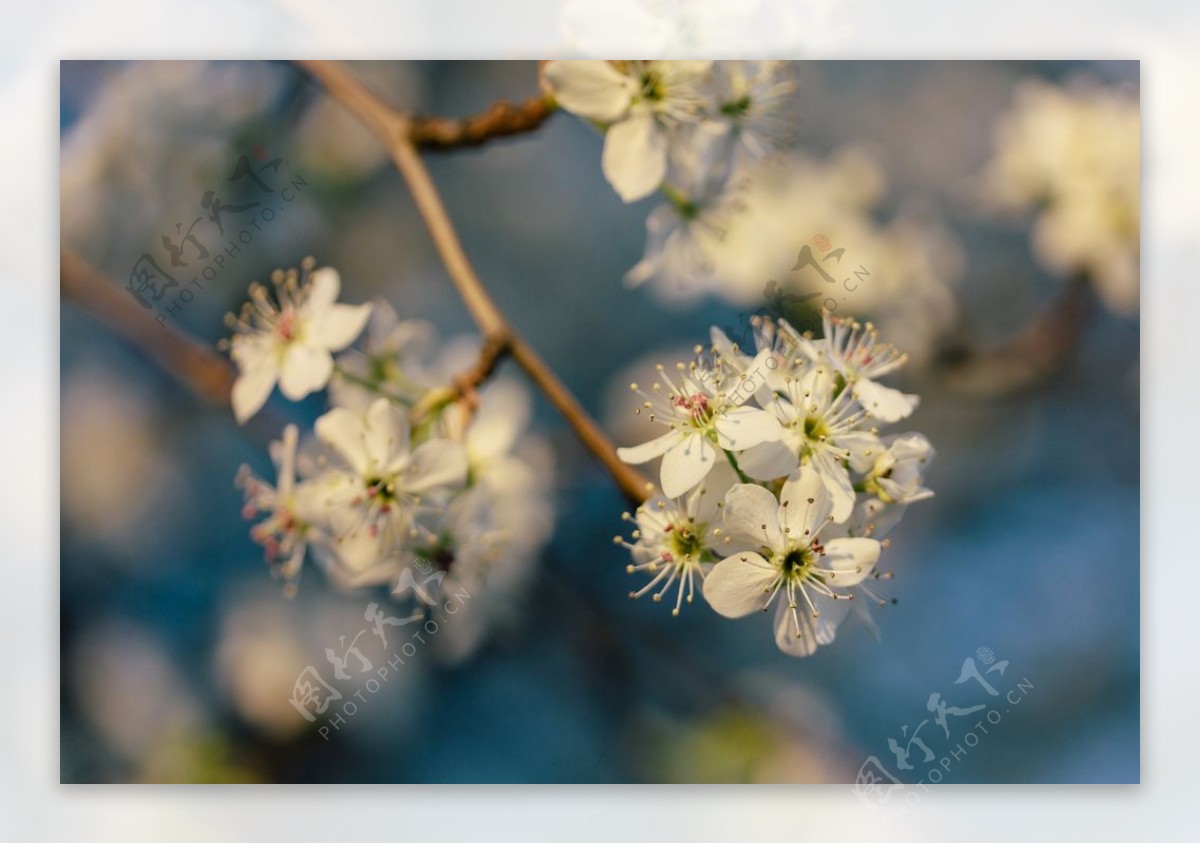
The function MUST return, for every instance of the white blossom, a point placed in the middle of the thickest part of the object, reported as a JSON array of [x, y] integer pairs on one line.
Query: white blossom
[[815, 497], [290, 340], [783, 560], [677, 540], [291, 510], [821, 430], [1074, 155], [893, 481], [639, 103], [378, 485], [900, 271], [854, 352], [395, 362], [753, 103], [705, 410]]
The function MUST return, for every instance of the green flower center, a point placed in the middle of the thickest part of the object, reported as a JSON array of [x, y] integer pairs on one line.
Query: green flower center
[[737, 108], [814, 428], [382, 489], [653, 88], [687, 541], [796, 562]]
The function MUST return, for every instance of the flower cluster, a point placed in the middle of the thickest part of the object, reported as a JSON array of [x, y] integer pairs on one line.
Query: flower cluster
[[777, 485], [1073, 154], [406, 467], [668, 119], [713, 138]]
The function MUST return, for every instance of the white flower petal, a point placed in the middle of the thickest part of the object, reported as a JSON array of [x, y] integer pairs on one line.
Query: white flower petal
[[863, 611], [912, 447], [710, 495], [876, 517], [437, 463], [686, 464], [837, 483], [305, 369], [746, 427], [737, 585], [324, 286], [753, 380], [865, 448], [342, 430], [646, 452], [385, 434], [793, 642], [336, 327], [808, 502], [752, 512], [853, 558], [768, 461], [592, 89], [635, 156], [251, 389], [884, 403], [813, 632]]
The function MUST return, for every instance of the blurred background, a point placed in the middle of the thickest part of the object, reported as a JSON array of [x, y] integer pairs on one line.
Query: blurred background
[[179, 652]]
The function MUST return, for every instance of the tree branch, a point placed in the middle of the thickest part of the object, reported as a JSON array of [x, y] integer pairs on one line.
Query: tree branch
[[193, 363], [1041, 348], [501, 120], [463, 386], [394, 129]]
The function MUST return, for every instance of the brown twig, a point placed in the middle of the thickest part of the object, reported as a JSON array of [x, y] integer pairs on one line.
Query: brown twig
[[193, 363], [1032, 355], [501, 120], [394, 130], [463, 386]]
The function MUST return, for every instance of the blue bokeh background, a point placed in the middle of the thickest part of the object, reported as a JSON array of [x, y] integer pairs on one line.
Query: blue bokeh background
[[1030, 547]]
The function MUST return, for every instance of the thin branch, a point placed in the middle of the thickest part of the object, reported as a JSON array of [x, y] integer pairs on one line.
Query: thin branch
[[394, 129], [193, 363], [1041, 348], [464, 385], [501, 120]]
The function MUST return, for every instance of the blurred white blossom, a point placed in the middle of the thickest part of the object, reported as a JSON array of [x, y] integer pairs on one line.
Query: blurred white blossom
[[754, 105], [137, 696], [396, 360], [900, 271], [291, 509], [186, 112], [410, 481], [680, 29], [1073, 155], [120, 469]]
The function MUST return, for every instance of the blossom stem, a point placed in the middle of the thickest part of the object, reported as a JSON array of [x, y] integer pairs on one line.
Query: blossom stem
[[394, 129], [365, 383], [686, 207], [464, 385], [733, 462]]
